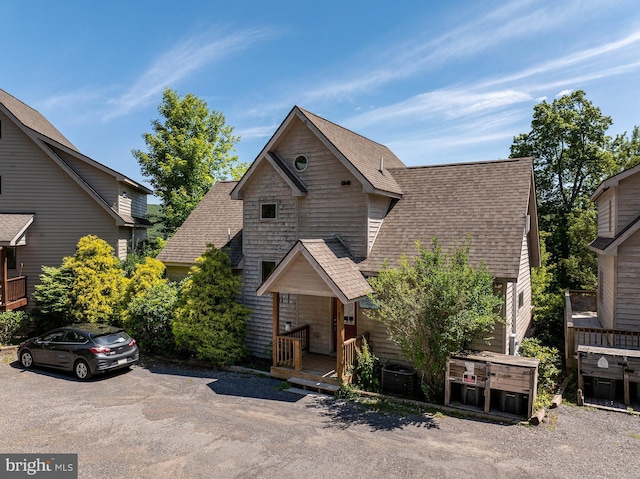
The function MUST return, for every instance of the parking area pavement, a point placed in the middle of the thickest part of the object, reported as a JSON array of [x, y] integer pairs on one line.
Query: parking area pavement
[[161, 421]]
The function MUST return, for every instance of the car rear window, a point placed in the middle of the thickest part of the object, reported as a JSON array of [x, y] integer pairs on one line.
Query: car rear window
[[119, 337]]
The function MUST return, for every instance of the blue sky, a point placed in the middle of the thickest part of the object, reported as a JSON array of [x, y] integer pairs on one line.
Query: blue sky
[[437, 82]]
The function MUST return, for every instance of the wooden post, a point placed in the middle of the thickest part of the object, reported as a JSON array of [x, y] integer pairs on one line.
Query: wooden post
[[487, 389], [275, 311], [340, 341], [447, 384], [533, 393], [627, 397], [297, 355], [5, 278]]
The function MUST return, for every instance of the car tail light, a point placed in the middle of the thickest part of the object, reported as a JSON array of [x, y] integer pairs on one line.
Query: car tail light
[[99, 349], [132, 343]]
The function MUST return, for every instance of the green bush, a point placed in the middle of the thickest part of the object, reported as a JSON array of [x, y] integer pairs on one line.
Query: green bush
[[367, 367], [12, 326], [210, 323], [150, 319], [549, 367]]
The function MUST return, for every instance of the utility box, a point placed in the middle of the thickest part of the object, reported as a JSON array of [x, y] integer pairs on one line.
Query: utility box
[[399, 380], [608, 374], [487, 380]]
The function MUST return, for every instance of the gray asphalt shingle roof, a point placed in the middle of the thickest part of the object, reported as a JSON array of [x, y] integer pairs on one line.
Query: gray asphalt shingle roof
[[33, 119], [335, 260], [12, 227], [215, 218], [486, 200]]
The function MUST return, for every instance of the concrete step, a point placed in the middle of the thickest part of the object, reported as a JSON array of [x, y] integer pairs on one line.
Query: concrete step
[[307, 384], [302, 392]]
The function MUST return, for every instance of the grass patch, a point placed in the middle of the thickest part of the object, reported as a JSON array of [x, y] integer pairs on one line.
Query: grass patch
[[282, 386]]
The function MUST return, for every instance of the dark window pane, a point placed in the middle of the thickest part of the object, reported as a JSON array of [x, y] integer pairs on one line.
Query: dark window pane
[[268, 210], [267, 268]]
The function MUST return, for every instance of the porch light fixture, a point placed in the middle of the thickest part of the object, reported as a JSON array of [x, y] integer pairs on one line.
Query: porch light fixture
[[287, 326]]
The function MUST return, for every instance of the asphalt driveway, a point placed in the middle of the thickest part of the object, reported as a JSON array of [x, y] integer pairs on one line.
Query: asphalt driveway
[[173, 422]]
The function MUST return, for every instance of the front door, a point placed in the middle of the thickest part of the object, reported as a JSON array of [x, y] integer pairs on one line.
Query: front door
[[350, 322]]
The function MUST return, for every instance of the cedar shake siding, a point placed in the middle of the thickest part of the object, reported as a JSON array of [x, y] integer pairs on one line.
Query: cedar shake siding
[[339, 218], [38, 177], [266, 240], [334, 204]]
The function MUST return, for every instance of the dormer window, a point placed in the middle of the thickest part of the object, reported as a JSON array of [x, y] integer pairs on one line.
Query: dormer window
[[300, 163]]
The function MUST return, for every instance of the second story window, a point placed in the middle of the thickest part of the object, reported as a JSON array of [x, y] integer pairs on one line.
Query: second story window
[[268, 211]]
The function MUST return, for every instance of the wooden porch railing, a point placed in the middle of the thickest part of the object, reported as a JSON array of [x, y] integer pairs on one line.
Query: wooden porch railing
[[290, 345], [350, 347], [606, 338], [289, 352], [301, 332], [15, 289]]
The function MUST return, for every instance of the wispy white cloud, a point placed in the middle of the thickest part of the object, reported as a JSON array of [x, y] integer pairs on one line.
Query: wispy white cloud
[[414, 55], [446, 104], [262, 131], [181, 61], [564, 74]]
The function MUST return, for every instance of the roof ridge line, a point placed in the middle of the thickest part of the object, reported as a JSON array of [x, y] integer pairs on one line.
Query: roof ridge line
[[341, 127]]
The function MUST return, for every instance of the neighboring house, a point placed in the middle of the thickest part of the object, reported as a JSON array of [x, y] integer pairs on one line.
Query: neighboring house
[[321, 209], [50, 196], [611, 315], [602, 328]]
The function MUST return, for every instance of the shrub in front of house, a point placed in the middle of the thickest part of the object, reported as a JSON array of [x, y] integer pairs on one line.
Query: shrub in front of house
[[210, 323]]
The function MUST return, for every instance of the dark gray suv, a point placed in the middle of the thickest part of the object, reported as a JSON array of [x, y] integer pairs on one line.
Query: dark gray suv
[[85, 349]]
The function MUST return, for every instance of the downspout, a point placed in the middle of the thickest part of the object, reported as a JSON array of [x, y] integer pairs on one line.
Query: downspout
[[514, 319]]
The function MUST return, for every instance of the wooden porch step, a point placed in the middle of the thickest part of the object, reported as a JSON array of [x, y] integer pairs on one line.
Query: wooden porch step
[[307, 384]]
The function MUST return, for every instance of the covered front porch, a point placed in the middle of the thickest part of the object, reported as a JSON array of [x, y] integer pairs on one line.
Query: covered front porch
[[13, 287], [317, 269]]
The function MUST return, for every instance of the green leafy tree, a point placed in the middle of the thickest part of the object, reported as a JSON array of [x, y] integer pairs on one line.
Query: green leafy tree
[[548, 319], [582, 264], [569, 143], [98, 282], [210, 323], [434, 305], [626, 150], [188, 152]]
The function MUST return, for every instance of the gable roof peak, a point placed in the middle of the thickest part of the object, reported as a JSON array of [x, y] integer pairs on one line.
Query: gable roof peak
[[33, 119]]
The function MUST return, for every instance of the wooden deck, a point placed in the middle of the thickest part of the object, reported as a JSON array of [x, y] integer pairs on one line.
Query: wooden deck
[[315, 367]]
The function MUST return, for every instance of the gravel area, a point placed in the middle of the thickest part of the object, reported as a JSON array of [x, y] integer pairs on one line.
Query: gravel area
[[168, 421]]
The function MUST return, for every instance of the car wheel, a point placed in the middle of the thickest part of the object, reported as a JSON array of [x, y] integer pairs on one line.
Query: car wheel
[[81, 370], [26, 359]]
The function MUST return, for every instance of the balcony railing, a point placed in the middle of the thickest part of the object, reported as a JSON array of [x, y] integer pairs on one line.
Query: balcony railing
[[582, 327], [13, 294]]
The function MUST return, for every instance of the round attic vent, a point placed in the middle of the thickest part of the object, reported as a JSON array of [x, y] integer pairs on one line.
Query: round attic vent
[[301, 162]]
